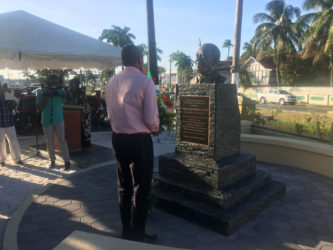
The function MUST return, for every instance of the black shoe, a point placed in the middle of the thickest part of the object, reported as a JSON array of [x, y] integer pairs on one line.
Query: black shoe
[[150, 238], [2, 163], [52, 165], [127, 235], [20, 162], [67, 165]]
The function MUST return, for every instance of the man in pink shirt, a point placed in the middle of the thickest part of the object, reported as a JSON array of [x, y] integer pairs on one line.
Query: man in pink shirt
[[132, 109]]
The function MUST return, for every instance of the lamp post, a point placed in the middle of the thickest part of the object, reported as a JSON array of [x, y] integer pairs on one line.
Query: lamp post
[[237, 39], [152, 58], [170, 73]]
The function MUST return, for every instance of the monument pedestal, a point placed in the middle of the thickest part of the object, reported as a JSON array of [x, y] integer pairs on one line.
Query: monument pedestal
[[207, 180]]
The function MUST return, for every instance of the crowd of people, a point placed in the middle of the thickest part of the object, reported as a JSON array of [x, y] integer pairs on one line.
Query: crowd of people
[[132, 108], [45, 109]]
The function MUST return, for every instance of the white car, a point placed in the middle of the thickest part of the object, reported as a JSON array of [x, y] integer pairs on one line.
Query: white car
[[277, 96]]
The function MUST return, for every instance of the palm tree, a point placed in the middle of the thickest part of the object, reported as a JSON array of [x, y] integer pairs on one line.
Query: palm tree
[[144, 50], [227, 44], [106, 74], [277, 30], [319, 36], [184, 65], [248, 51], [117, 36]]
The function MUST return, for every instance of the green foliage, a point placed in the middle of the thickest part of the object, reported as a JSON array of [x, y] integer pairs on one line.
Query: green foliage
[[144, 50], [245, 79], [184, 65], [41, 75], [167, 118], [318, 37], [248, 109], [315, 125], [299, 128], [118, 36], [276, 30], [331, 137], [293, 70], [248, 51], [161, 70], [106, 74], [227, 44], [319, 123]]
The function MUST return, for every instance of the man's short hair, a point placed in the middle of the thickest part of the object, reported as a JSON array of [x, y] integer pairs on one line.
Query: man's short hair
[[130, 55]]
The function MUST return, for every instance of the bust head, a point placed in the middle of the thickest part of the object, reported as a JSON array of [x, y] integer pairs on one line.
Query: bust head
[[207, 58]]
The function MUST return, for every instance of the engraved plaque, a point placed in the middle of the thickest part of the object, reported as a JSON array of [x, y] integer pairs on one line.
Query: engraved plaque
[[194, 119]]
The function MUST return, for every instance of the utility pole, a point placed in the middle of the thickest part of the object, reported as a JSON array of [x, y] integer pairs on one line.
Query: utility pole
[[170, 73], [237, 39], [152, 58]]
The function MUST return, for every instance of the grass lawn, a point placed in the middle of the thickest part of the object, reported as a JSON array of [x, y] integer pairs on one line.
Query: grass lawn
[[301, 123]]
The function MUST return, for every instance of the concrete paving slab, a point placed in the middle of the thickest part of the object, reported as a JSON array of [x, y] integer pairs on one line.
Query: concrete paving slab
[[89, 241], [93, 194]]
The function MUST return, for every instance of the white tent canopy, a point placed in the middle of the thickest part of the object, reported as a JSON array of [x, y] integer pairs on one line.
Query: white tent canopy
[[30, 42]]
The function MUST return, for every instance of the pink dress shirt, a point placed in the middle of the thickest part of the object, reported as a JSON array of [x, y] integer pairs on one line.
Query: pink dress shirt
[[131, 102]]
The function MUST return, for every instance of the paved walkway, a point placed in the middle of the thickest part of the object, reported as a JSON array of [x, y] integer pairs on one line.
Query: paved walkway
[[302, 219], [19, 182]]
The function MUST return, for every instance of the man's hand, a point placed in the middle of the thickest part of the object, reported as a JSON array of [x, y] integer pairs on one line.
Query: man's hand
[[156, 133]]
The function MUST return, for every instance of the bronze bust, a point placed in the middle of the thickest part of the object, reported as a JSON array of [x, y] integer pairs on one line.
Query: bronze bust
[[207, 58]]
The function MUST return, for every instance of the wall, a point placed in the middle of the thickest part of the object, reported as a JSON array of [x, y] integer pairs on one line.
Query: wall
[[310, 156]]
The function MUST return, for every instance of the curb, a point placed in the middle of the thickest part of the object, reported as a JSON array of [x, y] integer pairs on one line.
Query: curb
[[11, 229]]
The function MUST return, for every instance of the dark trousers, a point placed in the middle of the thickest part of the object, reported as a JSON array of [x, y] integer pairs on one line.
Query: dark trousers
[[135, 161]]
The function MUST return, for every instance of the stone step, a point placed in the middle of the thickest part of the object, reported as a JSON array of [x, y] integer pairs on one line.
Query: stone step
[[235, 168], [221, 199], [204, 173], [241, 190], [223, 221]]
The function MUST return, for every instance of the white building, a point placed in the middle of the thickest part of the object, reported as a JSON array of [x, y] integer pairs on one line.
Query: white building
[[262, 73], [165, 81]]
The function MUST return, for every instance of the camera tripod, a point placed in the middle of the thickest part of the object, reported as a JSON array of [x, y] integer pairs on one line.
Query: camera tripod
[[37, 154]]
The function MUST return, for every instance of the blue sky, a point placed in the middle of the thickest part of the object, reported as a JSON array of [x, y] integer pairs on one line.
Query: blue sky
[[179, 23]]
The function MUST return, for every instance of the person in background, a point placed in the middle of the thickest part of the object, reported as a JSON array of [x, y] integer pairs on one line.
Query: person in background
[[50, 101], [77, 96], [133, 112], [7, 129]]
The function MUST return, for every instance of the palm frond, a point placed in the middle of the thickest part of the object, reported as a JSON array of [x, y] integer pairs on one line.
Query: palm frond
[[317, 4], [261, 17], [275, 8], [292, 12]]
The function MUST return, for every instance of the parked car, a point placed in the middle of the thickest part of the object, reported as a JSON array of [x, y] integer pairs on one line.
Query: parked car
[[277, 96]]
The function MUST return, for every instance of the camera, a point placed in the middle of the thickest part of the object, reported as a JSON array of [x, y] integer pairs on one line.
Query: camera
[[51, 91]]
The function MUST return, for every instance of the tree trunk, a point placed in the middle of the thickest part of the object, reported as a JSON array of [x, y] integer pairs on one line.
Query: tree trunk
[[152, 58], [278, 70], [331, 66]]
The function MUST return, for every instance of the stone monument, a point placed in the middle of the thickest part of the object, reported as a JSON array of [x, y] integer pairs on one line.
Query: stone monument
[[207, 180]]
